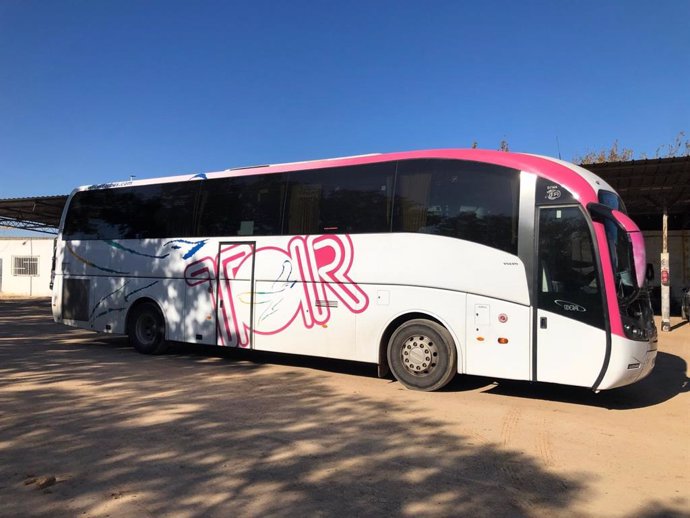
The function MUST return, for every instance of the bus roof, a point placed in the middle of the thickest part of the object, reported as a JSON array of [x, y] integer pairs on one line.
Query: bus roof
[[583, 184]]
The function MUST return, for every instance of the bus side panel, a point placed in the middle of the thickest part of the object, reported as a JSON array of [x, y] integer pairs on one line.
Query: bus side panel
[[304, 300], [199, 313], [388, 302], [152, 258], [121, 272], [291, 322], [498, 338], [56, 298], [170, 296], [57, 280], [435, 261], [112, 297]]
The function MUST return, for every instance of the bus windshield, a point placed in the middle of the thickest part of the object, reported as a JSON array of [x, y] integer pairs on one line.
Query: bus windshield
[[620, 248]]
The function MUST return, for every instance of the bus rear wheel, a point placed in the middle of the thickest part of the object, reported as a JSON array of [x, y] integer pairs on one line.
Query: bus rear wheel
[[146, 329], [422, 355]]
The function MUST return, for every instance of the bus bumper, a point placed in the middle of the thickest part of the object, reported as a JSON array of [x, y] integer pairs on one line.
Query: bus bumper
[[630, 361]]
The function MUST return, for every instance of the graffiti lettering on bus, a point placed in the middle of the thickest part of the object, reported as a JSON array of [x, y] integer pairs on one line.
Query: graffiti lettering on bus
[[309, 277]]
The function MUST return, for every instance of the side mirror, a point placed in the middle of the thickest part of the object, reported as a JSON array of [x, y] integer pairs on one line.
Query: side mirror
[[649, 273]]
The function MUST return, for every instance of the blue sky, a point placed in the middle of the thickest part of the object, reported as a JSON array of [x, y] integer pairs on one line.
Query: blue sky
[[94, 91]]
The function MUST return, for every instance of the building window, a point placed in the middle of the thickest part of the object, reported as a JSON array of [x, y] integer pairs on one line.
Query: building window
[[25, 266]]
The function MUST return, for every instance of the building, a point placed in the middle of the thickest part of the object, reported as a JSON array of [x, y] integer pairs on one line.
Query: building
[[25, 266]]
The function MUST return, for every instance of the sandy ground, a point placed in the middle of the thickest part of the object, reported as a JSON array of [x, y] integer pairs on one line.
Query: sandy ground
[[212, 432]]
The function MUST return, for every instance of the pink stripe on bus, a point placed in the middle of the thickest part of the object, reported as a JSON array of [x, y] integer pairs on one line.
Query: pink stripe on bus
[[549, 169]]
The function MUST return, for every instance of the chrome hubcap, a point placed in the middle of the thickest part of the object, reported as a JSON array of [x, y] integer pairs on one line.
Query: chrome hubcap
[[419, 355]]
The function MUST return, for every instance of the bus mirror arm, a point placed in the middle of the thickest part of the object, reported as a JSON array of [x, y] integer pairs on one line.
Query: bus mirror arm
[[649, 272], [599, 212]]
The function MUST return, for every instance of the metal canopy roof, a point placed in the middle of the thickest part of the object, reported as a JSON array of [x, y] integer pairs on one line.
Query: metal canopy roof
[[647, 186], [40, 214]]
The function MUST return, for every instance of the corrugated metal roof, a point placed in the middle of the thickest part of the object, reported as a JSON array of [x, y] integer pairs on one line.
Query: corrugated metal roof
[[38, 213], [647, 186]]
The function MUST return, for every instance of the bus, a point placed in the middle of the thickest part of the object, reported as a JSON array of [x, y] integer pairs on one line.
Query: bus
[[426, 263]]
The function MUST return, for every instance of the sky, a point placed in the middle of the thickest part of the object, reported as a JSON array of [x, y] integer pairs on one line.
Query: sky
[[97, 91]]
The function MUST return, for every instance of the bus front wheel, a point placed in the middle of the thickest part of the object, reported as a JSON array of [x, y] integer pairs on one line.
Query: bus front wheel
[[146, 329], [422, 355]]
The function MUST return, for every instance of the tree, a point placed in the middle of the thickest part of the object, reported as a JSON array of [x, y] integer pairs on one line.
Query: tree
[[614, 154], [679, 147], [502, 146]]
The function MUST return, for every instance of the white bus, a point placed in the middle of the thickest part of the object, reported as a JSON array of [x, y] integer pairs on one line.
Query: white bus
[[427, 263]]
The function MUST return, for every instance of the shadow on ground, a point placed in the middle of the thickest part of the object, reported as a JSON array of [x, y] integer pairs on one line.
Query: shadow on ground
[[667, 380], [218, 433], [194, 434]]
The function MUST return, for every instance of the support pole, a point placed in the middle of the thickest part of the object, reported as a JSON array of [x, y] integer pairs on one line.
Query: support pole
[[665, 276]]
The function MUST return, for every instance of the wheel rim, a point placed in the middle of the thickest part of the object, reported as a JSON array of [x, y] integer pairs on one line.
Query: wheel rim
[[419, 355], [146, 329]]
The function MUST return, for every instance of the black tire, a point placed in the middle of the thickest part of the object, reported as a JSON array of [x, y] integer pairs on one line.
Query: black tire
[[422, 355], [146, 329]]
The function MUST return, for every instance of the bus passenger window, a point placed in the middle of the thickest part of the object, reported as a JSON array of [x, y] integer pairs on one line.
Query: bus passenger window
[[460, 199], [347, 200], [304, 209], [240, 206]]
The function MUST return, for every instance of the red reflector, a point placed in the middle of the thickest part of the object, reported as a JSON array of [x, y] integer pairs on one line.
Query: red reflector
[[502, 340]]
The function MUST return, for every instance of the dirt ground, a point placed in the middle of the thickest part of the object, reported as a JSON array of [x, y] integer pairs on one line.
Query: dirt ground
[[213, 432]]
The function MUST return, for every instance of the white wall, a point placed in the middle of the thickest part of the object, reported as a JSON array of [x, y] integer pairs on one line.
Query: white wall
[[36, 286]]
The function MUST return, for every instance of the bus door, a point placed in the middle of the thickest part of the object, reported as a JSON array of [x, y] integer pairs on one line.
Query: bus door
[[569, 324], [219, 295], [235, 294]]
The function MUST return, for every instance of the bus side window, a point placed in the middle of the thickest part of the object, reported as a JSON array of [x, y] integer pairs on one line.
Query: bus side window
[[304, 208], [147, 211], [349, 200], [240, 206], [454, 198]]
